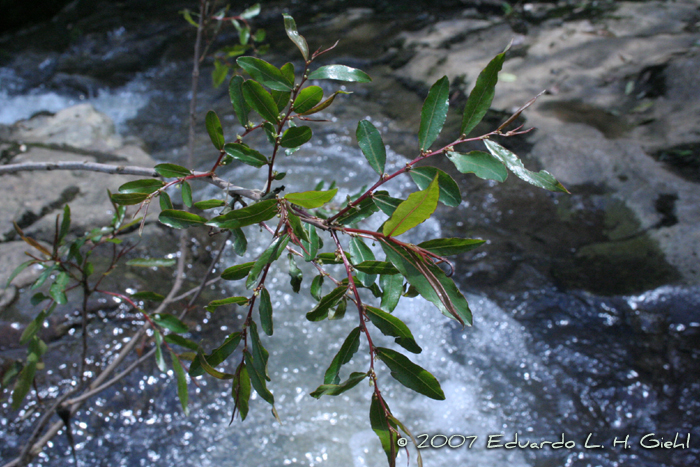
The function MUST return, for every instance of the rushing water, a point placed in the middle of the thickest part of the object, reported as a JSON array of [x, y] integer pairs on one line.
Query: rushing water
[[544, 365]]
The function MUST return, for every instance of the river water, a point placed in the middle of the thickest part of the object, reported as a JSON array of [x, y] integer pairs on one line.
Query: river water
[[540, 365]]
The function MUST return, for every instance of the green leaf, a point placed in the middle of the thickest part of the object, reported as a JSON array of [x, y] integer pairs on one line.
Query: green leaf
[[316, 285], [260, 100], [360, 253], [339, 311], [266, 312], [480, 98], [188, 17], [371, 144], [323, 105], [386, 203], [307, 99], [145, 185], [272, 253], [338, 389], [251, 12], [148, 296], [392, 326], [243, 153], [151, 262], [281, 99], [240, 107], [218, 355], [332, 258], [260, 354], [311, 199], [362, 211], [411, 375], [295, 136], [172, 171], [264, 73], [291, 28], [170, 322], [209, 204], [449, 190], [43, 276], [241, 390], [430, 282], [180, 219], [311, 247], [451, 246], [240, 243], [340, 73], [58, 288], [320, 312], [415, 210], [295, 274], [392, 288], [181, 383], [216, 132], [376, 267], [237, 272], [218, 76], [380, 425], [187, 194], [344, 355], [479, 163], [253, 214], [434, 113], [181, 341], [33, 327], [260, 35], [38, 298], [270, 132], [542, 179], [65, 223], [258, 379], [165, 202], [23, 383], [160, 361], [214, 304], [201, 363], [297, 227], [18, 270]]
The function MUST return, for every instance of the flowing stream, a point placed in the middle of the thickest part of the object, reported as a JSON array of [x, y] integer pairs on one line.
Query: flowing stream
[[544, 365]]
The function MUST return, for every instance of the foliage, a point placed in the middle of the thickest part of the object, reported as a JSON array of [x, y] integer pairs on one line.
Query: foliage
[[281, 102]]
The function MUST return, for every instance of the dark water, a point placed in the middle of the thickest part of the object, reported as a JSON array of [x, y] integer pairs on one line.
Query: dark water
[[541, 362]]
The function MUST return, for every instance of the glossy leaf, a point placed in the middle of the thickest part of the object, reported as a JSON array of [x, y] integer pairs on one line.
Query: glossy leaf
[[172, 171], [251, 12], [266, 312], [270, 132], [160, 361], [34, 327], [240, 107], [181, 341], [311, 199], [241, 390], [344, 355], [380, 425], [392, 288], [187, 194], [237, 272], [332, 258], [209, 204], [17, 271], [214, 304], [323, 105], [479, 163], [216, 132], [243, 153], [310, 247], [281, 99], [218, 355], [260, 100], [24, 383], [297, 227], [480, 98], [164, 200], [340, 73], [128, 199], [316, 287], [57, 291], [170, 322], [291, 28], [386, 203], [271, 254], [451, 246], [392, 326], [201, 363], [307, 99], [151, 262], [260, 354], [411, 375], [180, 219], [542, 179], [415, 210], [65, 224], [376, 267], [182, 393], [264, 73], [295, 136], [239, 242], [434, 113], [362, 211], [257, 379], [295, 274], [371, 144], [337, 389], [253, 214], [360, 253], [145, 185], [320, 311], [449, 190]]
